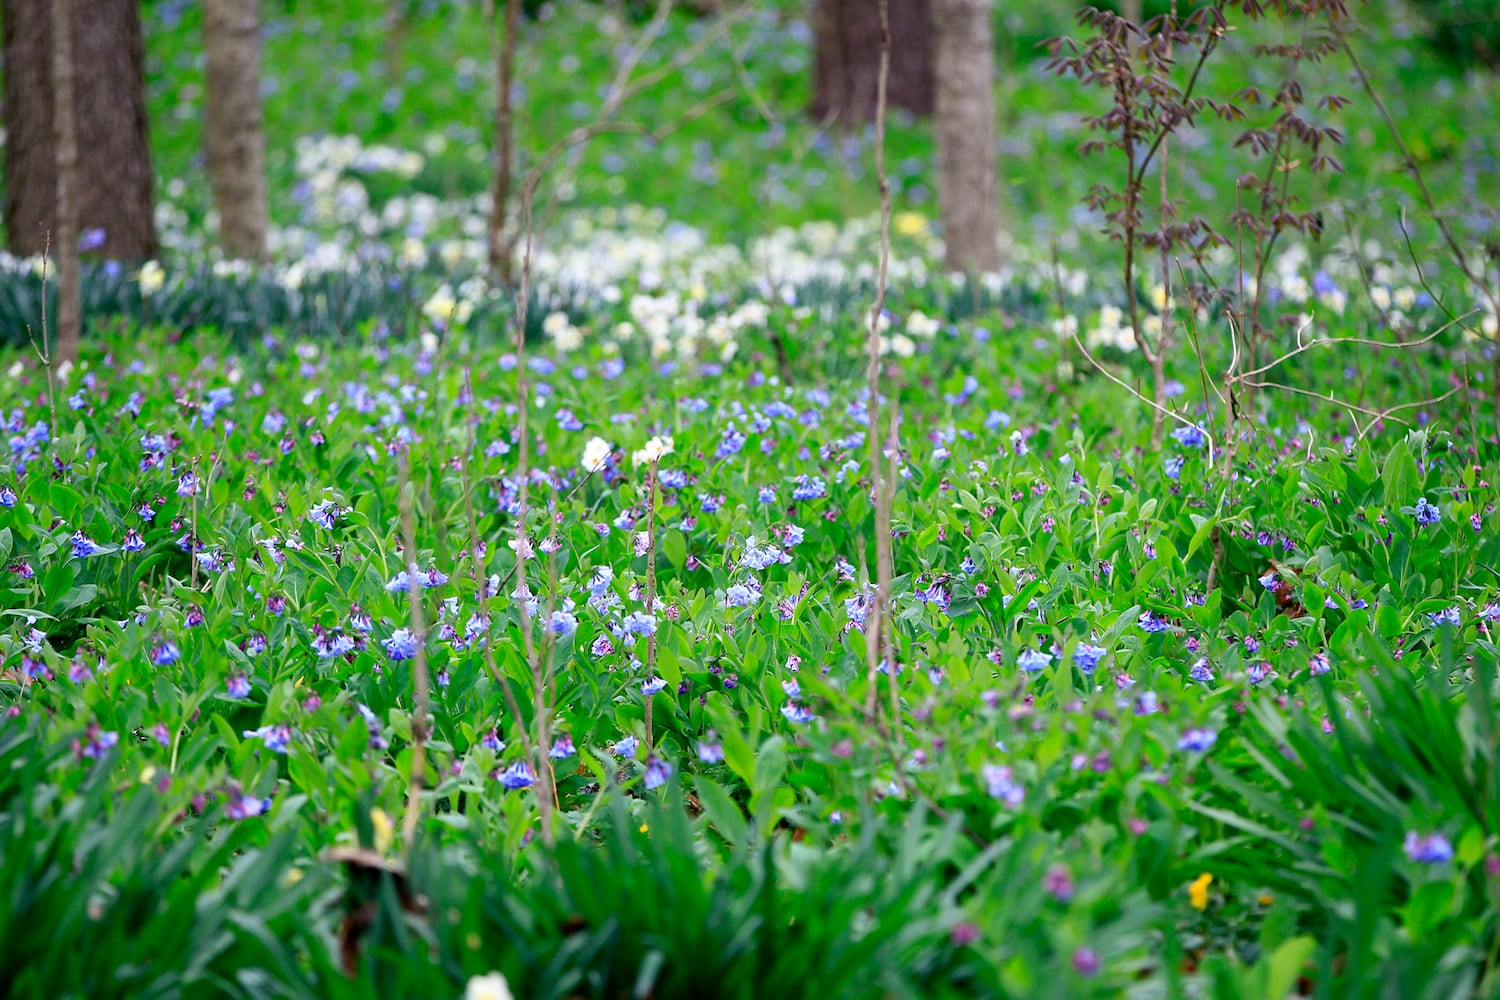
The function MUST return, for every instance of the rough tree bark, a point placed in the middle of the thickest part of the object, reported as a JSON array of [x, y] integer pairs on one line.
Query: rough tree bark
[[233, 134], [114, 161], [847, 60], [65, 238], [964, 64]]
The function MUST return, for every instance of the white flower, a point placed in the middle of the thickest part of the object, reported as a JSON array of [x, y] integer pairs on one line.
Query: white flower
[[900, 345], [919, 324], [655, 449], [151, 277], [443, 307], [595, 455], [413, 253], [490, 987]]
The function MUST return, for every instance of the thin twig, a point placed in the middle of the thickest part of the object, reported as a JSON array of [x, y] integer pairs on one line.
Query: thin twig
[[420, 686], [876, 623], [651, 475]]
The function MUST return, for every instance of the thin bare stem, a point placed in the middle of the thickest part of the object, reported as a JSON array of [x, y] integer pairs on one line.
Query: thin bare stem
[[1099, 366], [876, 613], [651, 472], [487, 651], [421, 711]]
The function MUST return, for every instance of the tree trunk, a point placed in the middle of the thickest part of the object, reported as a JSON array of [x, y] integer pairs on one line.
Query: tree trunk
[[847, 61], [233, 134], [65, 238], [964, 64], [113, 191], [501, 243]]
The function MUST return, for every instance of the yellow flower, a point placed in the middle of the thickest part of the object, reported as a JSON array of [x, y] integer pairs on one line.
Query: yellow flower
[[385, 829], [910, 223], [645, 828], [1265, 899], [1198, 891]]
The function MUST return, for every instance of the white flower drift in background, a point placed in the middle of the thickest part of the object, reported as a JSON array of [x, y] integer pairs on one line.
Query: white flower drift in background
[[655, 450], [596, 455], [490, 987]]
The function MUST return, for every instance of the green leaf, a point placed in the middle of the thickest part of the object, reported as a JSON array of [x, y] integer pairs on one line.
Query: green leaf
[[1399, 475], [674, 547], [738, 755], [1205, 525], [721, 810], [770, 765], [667, 665], [1286, 964]]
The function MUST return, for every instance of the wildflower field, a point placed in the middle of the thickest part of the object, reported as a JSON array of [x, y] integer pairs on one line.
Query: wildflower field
[[372, 628]]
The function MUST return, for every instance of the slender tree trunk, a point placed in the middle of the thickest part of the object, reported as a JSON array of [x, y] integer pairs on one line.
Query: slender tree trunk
[[502, 245], [964, 64], [114, 188], [395, 39], [233, 134], [847, 63], [65, 235]]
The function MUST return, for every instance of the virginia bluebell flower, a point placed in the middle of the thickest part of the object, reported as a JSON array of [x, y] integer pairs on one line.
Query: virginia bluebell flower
[[1151, 622], [1197, 740], [640, 623], [1447, 616], [1000, 784], [325, 514], [657, 772], [710, 750], [1190, 437], [276, 738], [519, 775], [83, 545], [237, 686], [96, 743], [1431, 849], [797, 713], [402, 645], [1087, 657], [1033, 660], [243, 806], [740, 596], [563, 623]]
